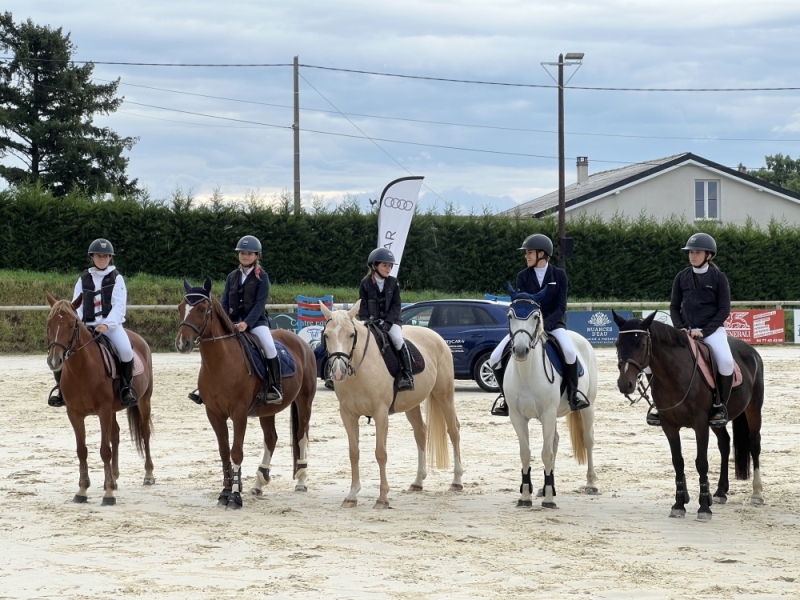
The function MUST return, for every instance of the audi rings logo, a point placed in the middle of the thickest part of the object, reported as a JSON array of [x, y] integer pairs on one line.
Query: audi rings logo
[[398, 203]]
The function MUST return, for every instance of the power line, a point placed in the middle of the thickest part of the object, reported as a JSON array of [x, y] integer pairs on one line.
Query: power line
[[144, 64]]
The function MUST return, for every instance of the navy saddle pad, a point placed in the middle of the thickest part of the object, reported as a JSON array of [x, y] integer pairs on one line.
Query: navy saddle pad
[[553, 355], [288, 366]]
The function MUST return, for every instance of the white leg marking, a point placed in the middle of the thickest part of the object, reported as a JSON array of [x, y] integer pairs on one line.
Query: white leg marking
[[302, 466]]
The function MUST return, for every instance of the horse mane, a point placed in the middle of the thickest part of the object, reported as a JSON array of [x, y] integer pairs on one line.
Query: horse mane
[[667, 335], [62, 305], [216, 306]]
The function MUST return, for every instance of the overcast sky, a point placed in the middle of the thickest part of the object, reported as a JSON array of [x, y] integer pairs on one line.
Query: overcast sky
[[642, 44]]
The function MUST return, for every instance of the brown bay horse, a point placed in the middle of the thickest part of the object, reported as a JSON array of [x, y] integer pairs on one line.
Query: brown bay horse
[[684, 400], [227, 389], [88, 391]]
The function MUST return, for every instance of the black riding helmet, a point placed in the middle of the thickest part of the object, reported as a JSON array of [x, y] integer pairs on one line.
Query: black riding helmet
[[538, 241], [380, 255], [249, 243], [101, 246], [701, 241]]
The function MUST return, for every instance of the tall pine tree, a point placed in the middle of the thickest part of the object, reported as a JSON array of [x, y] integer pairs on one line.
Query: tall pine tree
[[47, 105]]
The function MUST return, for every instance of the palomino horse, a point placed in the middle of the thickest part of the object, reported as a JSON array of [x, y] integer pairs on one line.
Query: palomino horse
[[533, 390], [88, 391], [684, 400], [228, 388], [364, 387]]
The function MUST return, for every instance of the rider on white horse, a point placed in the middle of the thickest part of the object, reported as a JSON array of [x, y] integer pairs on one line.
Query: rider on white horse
[[540, 274]]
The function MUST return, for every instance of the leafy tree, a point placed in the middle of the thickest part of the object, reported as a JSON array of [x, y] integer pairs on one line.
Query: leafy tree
[[47, 104], [782, 171]]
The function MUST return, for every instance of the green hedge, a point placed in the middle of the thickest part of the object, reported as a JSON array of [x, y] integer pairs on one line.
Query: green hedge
[[619, 259]]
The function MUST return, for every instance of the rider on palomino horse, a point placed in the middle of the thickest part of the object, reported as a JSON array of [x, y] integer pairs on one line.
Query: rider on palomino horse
[[104, 300], [538, 275], [380, 302], [244, 301], [700, 304]]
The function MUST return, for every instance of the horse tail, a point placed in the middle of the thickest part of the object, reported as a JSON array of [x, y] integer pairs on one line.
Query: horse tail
[[135, 424], [741, 447], [438, 456], [575, 423]]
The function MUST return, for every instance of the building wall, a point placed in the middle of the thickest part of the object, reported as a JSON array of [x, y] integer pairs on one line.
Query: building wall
[[672, 193]]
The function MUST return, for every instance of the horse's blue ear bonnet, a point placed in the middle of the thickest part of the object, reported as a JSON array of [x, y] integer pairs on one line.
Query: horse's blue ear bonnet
[[523, 305], [197, 294]]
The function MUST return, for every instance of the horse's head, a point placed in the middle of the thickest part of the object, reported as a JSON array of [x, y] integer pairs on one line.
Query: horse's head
[[195, 311], [525, 323], [62, 330], [339, 339], [634, 347]]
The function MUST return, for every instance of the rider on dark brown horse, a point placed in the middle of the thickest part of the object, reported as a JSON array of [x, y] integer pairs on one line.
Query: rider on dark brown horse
[[538, 275], [103, 307], [380, 302], [700, 304]]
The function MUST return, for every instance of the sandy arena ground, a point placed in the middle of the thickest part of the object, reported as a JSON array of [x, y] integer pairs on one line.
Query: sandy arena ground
[[172, 541]]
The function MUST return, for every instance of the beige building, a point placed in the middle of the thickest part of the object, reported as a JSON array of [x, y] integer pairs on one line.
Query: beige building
[[684, 185]]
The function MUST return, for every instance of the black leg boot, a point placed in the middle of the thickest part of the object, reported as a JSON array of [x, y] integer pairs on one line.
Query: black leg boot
[[577, 400], [55, 400], [275, 392], [500, 408], [127, 394], [195, 397], [719, 411], [406, 382]]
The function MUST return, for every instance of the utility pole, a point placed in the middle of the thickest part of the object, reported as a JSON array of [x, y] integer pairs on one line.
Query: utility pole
[[296, 128]]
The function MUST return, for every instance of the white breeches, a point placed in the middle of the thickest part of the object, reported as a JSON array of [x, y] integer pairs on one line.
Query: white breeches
[[396, 333], [560, 334], [721, 350], [497, 353], [121, 342], [264, 336]]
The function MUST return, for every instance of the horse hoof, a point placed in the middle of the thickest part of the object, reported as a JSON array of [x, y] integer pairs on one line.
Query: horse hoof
[[456, 487], [524, 503], [416, 488], [349, 503], [109, 501], [677, 513], [720, 499], [757, 501], [149, 481], [591, 491], [224, 498], [549, 505], [300, 488], [256, 492], [235, 502], [704, 516], [381, 504], [78, 499]]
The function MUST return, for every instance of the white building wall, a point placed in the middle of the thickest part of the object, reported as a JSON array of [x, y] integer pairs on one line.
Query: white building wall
[[672, 194]]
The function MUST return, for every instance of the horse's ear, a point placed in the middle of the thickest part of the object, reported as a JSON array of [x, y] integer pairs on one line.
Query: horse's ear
[[50, 299], [325, 310], [207, 285], [186, 285], [77, 302], [539, 296], [620, 321], [511, 291], [649, 320], [354, 311]]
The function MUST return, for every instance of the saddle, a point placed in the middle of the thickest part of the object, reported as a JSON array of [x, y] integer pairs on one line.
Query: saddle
[[111, 359], [554, 354], [256, 362], [391, 357], [707, 366]]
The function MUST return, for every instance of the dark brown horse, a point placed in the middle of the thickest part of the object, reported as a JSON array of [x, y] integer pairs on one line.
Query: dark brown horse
[[88, 391], [228, 389], [684, 400]]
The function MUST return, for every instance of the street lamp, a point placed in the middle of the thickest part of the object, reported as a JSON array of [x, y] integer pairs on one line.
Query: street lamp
[[573, 59]]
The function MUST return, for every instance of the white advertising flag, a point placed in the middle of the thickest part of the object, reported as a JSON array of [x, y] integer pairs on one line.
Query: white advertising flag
[[397, 206]]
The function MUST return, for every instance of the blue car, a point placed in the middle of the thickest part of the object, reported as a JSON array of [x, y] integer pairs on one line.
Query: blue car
[[472, 329]]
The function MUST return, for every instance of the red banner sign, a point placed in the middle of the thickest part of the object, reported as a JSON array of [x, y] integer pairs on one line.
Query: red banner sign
[[757, 326]]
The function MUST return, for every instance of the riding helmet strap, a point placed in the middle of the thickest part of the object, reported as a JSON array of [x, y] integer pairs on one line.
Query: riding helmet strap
[[526, 478]]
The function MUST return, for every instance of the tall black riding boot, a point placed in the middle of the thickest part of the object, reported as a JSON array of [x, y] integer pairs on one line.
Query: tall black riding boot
[[500, 408], [55, 400], [195, 397], [275, 392], [127, 394], [719, 411], [577, 400], [406, 378], [653, 416]]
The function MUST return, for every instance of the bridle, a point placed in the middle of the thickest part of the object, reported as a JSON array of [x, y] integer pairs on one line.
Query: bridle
[[198, 298], [534, 338], [68, 351], [347, 357], [648, 352]]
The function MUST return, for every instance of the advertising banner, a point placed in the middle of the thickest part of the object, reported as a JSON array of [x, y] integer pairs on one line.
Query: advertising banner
[[757, 326], [597, 326], [397, 206]]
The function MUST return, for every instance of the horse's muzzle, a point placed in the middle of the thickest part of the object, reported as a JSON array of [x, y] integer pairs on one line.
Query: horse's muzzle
[[55, 361], [183, 345], [625, 384]]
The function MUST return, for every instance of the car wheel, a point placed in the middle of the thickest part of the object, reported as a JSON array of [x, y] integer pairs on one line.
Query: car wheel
[[484, 375]]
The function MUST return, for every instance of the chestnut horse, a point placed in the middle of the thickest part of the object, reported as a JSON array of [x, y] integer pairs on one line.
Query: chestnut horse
[[228, 388], [88, 391]]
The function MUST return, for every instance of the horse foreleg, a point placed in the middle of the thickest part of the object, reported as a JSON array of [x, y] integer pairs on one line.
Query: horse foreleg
[[270, 441], [237, 457], [107, 418], [381, 435], [724, 445], [681, 493], [115, 450], [414, 417], [549, 449], [701, 463], [587, 420], [350, 422], [219, 423], [302, 463], [79, 427], [520, 424]]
